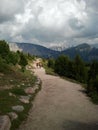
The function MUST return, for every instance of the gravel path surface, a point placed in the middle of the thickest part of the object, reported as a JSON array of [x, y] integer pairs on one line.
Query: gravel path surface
[[61, 105]]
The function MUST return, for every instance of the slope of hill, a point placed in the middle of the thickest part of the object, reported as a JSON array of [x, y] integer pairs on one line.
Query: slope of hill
[[86, 52], [33, 49]]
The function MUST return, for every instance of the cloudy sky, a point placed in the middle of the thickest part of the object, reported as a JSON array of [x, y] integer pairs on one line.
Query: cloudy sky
[[49, 22]]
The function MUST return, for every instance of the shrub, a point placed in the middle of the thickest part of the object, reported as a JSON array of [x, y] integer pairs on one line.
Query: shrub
[[4, 67]]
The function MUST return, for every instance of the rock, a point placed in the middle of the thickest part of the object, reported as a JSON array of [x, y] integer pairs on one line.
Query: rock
[[38, 81], [18, 86], [11, 94], [24, 99], [22, 84], [13, 115], [36, 87], [11, 80], [5, 123], [29, 90], [18, 108], [1, 74]]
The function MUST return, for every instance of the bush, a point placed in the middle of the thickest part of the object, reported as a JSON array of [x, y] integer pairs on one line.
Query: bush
[[4, 49], [12, 58], [23, 61], [80, 70], [93, 85], [61, 65], [18, 91], [4, 67], [51, 63]]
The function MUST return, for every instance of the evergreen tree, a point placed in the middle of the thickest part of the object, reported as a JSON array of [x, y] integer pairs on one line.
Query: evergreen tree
[[93, 77], [23, 61], [93, 72], [51, 63], [12, 58], [80, 69], [4, 49], [61, 65]]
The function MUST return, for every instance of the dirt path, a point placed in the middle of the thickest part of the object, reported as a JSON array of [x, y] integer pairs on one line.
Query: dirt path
[[61, 105]]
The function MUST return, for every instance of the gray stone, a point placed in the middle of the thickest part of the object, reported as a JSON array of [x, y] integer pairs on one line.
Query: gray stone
[[1, 74], [18, 108], [22, 84], [11, 80], [13, 115], [24, 99], [29, 90], [5, 123], [11, 94], [36, 87], [38, 81], [18, 86]]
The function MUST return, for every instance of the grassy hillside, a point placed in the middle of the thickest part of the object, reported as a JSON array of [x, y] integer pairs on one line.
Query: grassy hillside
[[14, 80]]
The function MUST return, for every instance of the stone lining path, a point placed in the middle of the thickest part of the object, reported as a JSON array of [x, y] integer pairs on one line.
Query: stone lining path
[[5, 123]]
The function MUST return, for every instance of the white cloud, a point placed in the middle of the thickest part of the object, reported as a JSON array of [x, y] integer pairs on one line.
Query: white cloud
[[8, 8], [49, 21]]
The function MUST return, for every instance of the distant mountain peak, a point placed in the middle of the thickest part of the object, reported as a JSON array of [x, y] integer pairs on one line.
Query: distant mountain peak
[[86, 51], [83, 45]]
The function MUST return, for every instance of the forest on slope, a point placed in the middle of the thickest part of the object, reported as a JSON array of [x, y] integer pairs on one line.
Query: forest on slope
[[77, 69]]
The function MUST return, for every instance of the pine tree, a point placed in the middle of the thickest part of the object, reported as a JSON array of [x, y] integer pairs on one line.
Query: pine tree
[[23, 61]]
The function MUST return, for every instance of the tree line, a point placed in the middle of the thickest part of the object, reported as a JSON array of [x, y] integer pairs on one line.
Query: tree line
[[9, 58], [78, 70]]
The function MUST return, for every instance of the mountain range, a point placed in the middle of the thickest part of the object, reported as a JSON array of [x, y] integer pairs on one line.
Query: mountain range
[[86, 51], [34, 49]]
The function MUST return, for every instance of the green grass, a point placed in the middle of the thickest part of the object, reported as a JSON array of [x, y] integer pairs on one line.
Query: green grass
[[94, 97], [18, 91], [23, 115], [6, 102], [50, 71], [16, 81]]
